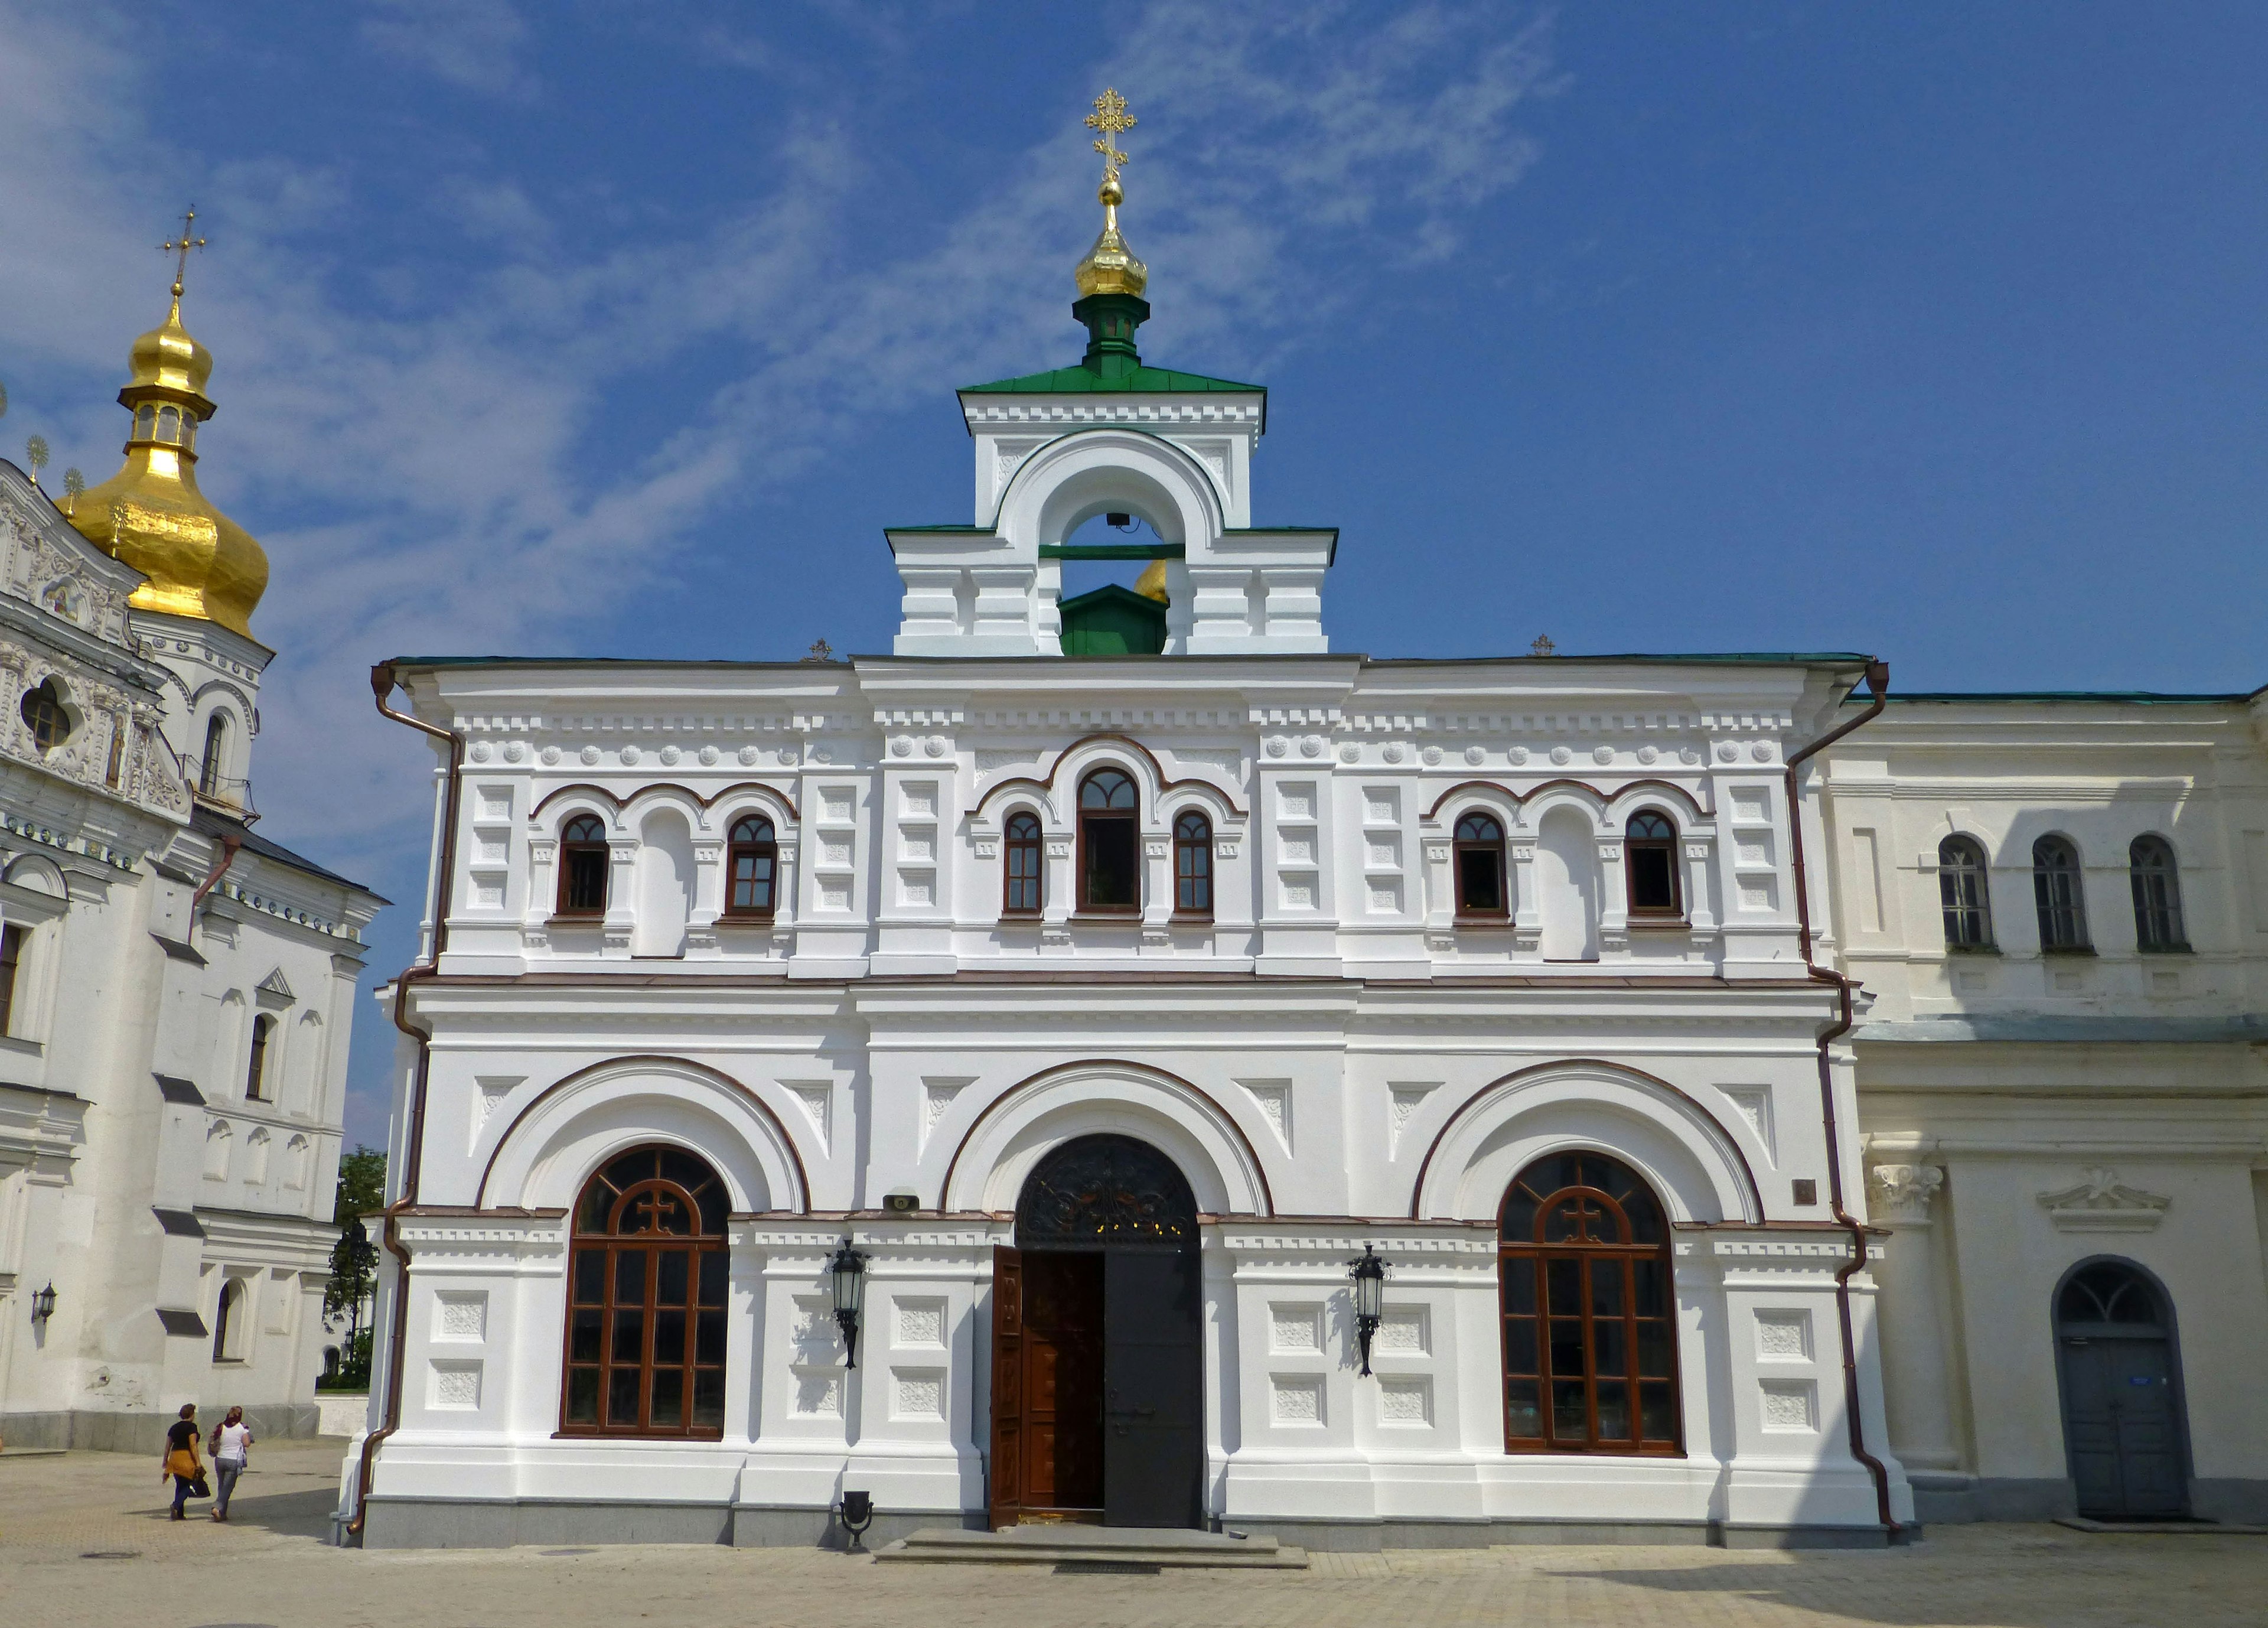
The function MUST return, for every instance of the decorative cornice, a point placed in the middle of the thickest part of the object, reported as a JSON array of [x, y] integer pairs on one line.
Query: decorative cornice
[[2100, 1202]]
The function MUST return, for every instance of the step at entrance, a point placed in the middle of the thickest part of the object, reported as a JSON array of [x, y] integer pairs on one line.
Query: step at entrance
[[1081, 1545]]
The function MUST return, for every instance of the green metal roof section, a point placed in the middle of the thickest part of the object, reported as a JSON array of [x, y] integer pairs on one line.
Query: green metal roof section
[[1112, 367], [1138, 380]]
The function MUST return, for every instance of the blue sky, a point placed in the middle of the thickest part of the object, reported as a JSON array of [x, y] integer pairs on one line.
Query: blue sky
[[1935, 331]]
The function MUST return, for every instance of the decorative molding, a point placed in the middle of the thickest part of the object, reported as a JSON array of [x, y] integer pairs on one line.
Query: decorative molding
[[2100, 1202], [1901, 1193]]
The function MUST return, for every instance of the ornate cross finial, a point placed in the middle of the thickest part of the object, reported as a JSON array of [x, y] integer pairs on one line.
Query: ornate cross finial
[[180, 246], [1111, 118], [1543, 646]]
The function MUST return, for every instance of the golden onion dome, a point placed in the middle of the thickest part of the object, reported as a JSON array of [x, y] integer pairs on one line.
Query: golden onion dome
[[1109, 267], [151, 514]]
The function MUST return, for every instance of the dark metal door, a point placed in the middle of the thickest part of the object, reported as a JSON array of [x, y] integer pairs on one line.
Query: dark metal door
[[2120, 1421], [1153, 1411]]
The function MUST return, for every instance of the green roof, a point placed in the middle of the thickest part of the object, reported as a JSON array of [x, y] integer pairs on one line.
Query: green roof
[[1086, 381]]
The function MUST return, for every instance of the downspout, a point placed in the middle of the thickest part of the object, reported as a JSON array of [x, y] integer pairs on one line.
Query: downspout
[[1878, 686], [229, 846], [382, 681]]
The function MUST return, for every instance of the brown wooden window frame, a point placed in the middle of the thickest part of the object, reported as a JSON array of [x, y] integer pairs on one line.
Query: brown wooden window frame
[[1468, 842], [1193, 865], [256, 1073], [573, 846], [678, 1206], [1590, 1244], [1653, 834], [754, 839], [1102, 822], [1023, 865], [2155, 877]]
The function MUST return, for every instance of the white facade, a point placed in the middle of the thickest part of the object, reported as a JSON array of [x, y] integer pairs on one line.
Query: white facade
[[2027, 1110], [141, 1177], [1333, 1055]]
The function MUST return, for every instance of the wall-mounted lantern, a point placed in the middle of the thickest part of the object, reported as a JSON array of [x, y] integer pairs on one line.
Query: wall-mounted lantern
[[1369, 1275], [43, 1304], [849, 1270]]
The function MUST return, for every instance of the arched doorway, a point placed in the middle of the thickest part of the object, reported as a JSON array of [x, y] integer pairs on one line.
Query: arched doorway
[[645, 1302], [1098, 1394], [1590, 1319], [2122, 1410]]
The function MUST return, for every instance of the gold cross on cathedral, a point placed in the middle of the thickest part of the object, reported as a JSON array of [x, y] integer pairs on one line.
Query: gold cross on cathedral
[[1111, 118], [180, 246]]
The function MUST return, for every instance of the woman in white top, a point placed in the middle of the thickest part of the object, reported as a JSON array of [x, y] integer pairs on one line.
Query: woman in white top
[[231, 1446]]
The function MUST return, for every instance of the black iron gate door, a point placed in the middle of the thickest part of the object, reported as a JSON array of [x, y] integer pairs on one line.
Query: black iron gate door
[[1153, 1407]]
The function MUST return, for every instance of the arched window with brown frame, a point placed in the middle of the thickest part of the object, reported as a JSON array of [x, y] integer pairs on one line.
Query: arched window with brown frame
[[1192, 865], [2157, 884], [583, 863], [43, 712], [646, 1313], [1021, 894], [1109, 843], [1650, 866], [1479, 859], [2059, 893], [752, 868], [1590, 1321]]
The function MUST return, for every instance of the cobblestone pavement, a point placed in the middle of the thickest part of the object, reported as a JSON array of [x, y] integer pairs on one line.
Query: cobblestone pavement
[[272, 1567]]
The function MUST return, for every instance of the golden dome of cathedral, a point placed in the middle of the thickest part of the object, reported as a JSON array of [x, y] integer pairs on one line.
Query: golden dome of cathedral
[[151, 514]]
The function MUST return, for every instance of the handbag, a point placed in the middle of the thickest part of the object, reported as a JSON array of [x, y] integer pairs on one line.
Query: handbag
[[198, 1489]]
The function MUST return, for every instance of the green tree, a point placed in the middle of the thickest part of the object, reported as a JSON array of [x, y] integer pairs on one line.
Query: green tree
[[354, 1259]]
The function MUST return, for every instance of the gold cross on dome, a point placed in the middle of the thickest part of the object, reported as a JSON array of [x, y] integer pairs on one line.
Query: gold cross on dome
[[1111, 118], [180, 246]]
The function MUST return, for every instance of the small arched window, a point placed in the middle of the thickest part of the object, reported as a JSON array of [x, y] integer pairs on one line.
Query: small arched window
[[43, 714], [1110, 847], [752, 864], [1192, 865], [646, 1318], [255, 1076], [145, 423], [1479, 857], [228, 1323], [1650, 864], [2059, 893], [169, 422], [1022, 895], [215, 754], [2157, 895], [1962, 891], [583, 864]]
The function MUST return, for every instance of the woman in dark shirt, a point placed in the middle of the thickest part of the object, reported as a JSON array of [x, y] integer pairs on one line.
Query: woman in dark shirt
[[180, 1461]]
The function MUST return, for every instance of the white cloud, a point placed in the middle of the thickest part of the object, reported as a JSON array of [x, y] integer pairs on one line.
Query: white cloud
[[474, 44], [438, 433]]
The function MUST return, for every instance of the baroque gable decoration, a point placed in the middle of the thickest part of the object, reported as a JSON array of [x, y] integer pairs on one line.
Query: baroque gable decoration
[[2103, 1204], [273, 984]]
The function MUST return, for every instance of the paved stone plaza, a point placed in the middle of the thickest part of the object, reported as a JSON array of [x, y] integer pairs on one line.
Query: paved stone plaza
[[272, 1565]]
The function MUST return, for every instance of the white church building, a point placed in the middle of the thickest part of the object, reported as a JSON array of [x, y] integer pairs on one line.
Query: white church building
[[176, 988], [1114, 1060]]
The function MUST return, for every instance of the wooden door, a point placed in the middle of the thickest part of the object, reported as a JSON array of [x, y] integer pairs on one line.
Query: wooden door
[[1154, 1439], [1007, 1385], [2121, 1425], [1047, 1386]]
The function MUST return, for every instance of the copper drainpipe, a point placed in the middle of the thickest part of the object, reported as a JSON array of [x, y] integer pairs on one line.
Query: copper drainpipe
[[382, 682], [1878, 685], [228, 851]]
